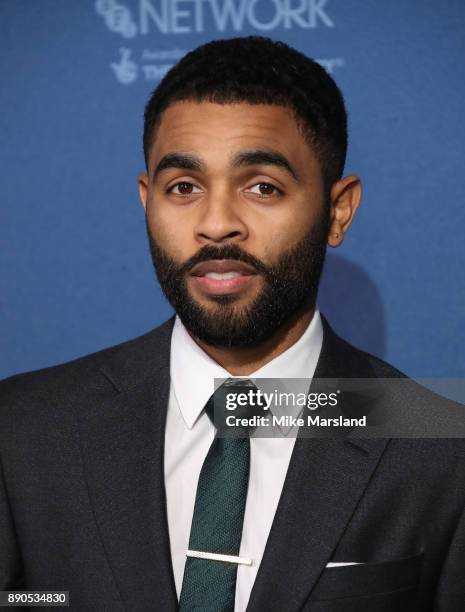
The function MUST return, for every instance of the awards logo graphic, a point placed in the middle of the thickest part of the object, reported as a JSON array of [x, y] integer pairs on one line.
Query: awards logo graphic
[[125, 70], [117, 17]]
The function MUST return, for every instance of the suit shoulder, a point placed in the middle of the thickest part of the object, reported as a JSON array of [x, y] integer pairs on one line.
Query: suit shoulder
[[382, 368], [350, 359], [437, 414], [57, 380]]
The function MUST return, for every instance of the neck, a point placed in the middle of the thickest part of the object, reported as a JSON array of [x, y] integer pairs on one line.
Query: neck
[[242, 361]]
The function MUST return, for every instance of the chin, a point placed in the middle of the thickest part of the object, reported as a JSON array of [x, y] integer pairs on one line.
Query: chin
[[210, 302]]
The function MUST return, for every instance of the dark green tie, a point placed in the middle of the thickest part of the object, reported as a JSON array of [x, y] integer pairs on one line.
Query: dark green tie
[[208, 585]]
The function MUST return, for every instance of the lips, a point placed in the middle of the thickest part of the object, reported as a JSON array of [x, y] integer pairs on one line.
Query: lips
[[222, 268], [223, 276]]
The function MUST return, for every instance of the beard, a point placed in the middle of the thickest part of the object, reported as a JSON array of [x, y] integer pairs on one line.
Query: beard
[[289, 286]]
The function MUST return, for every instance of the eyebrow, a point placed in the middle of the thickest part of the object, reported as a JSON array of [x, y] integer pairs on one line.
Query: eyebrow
[[183, 161], [252, 157], [266, 157]]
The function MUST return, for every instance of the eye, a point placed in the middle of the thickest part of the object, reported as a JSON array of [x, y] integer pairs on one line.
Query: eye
[[184, 188], [264, 190]]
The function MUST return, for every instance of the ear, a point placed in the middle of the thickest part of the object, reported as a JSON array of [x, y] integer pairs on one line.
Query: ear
[[345, 199], [143, 182]]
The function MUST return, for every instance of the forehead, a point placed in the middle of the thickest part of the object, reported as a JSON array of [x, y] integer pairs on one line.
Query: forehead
[[216, 131]]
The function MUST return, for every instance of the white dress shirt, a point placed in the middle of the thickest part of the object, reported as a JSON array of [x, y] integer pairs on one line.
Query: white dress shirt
[[189, 434]]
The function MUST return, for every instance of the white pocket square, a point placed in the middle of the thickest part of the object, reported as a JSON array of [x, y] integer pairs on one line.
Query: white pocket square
[[342, 563]]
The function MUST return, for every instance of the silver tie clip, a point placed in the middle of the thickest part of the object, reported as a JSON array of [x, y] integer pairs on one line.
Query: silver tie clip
[[200, 554]]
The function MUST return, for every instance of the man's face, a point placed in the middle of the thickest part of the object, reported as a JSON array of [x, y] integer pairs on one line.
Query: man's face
[[236, 218]]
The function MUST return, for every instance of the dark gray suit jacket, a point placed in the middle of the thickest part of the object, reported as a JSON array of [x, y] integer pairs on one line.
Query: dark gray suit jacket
[[82, 501]]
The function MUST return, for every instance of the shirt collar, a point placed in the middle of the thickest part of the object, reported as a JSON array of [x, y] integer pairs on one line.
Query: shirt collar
[[193, 371]]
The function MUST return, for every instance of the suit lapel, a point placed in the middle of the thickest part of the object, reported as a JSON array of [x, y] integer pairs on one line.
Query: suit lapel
[[325, 480], [123, 448]]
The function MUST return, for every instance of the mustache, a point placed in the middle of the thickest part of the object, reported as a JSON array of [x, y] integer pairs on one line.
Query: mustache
[[227, 251]]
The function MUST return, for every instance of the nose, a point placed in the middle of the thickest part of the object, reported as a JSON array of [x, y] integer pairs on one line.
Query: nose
[[220, 219]]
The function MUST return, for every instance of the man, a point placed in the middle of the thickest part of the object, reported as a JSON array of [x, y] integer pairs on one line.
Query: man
[[116, 485]]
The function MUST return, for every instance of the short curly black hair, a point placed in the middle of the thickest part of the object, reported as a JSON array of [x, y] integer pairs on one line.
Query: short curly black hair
[[258, 70]]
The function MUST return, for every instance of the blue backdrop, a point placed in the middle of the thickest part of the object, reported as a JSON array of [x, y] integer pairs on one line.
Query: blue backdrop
[[76, 274]]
